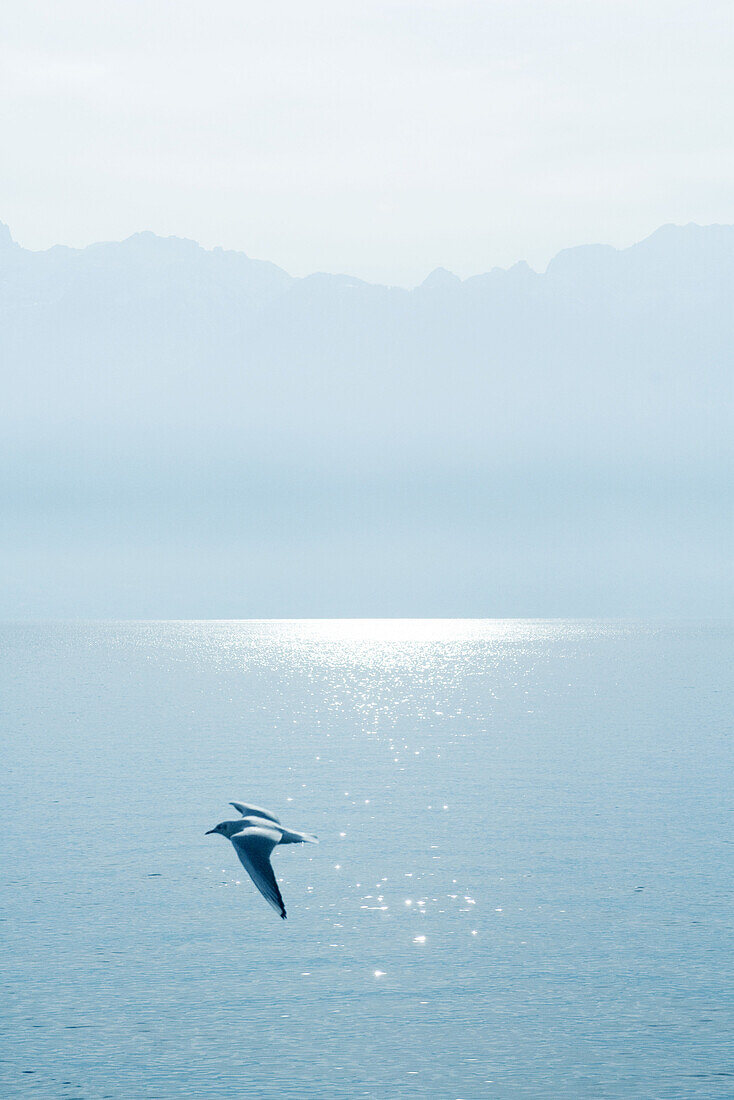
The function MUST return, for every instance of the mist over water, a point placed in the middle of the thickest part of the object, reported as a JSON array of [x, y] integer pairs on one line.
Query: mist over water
[[193, 433], [522, 886]]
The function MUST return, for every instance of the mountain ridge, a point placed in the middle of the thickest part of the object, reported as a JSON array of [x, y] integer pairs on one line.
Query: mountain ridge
[[513, 443], [181, 246]]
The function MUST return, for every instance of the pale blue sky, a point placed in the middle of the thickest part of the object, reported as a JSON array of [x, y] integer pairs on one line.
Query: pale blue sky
[[381, 138]]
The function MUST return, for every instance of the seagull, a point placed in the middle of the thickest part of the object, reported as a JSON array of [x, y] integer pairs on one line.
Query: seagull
[[253, 838]]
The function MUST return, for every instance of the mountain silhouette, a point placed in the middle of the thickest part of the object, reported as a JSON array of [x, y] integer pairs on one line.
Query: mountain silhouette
[[571, 427]]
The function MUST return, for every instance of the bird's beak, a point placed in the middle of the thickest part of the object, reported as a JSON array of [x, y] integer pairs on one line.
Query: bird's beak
[[209, 831]]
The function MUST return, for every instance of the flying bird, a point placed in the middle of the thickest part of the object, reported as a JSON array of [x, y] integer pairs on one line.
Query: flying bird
[[253, 837]]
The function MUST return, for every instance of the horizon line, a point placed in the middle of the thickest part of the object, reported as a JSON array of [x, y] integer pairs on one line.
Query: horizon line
[[7, 241]]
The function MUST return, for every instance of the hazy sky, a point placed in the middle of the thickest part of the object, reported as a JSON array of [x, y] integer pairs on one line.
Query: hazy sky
[[381, 138]]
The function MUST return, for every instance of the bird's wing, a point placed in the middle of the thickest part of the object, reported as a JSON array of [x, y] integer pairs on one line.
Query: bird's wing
[[254, 811], [254, 846], [292, 836]]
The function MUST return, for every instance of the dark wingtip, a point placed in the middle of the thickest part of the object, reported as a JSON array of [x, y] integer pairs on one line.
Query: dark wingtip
[[283, 915]]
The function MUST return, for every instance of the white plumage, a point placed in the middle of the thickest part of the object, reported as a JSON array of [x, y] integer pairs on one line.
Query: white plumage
[[253, 837]]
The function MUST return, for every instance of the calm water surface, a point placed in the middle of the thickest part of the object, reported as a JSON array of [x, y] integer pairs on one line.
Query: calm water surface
[[523, 885]]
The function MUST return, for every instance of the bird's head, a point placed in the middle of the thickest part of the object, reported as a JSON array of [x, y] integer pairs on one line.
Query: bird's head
[[227, 828]]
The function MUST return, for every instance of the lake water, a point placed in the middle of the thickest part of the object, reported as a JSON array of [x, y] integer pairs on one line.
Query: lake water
[[523, 886]]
